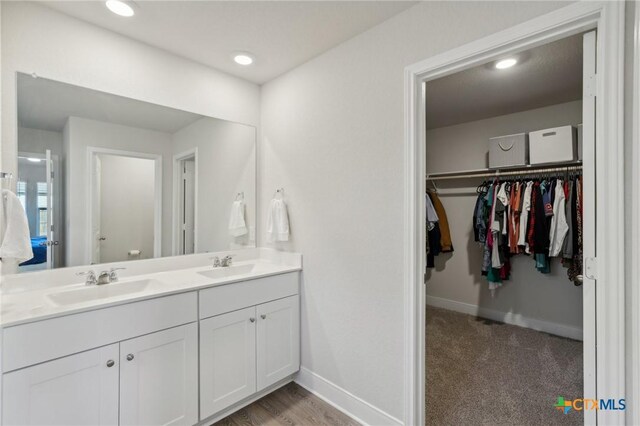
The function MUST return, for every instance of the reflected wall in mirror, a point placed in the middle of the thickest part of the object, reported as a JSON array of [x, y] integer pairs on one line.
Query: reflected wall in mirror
[[105, 178]]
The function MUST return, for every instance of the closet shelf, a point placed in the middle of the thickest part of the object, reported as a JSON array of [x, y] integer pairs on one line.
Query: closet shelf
[[511, 171]]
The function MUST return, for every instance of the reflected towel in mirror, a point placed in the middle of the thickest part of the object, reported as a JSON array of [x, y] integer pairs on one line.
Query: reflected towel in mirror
[[16, 240]]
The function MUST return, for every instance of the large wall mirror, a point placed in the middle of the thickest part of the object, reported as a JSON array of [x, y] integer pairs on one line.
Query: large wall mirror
[[105, 178]]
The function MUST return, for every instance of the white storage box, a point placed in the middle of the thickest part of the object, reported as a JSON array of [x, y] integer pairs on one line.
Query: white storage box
[[555, 145], [508, 151]]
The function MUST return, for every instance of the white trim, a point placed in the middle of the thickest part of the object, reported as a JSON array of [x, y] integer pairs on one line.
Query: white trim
[[157, 217], [343, 400], [507, 317], [175, 222], [634, 232], [608, 17]]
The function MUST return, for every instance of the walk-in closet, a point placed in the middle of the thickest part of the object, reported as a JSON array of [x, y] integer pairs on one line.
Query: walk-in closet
[[507, 206]]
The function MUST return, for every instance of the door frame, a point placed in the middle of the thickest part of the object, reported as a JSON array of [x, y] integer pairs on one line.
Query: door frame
[[175, 223], [92, 151], [609, 331]]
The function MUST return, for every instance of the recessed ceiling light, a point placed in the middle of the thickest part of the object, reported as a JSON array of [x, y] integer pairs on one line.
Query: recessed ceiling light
[[506, 63], [34, 160], [243, 58], [120, 7]]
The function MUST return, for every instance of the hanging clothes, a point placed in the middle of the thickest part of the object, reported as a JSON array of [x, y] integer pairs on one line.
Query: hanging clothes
[[541, 218], [446, 245]]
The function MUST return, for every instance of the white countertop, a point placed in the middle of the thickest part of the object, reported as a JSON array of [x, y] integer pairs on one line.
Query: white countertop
[[24, 300]]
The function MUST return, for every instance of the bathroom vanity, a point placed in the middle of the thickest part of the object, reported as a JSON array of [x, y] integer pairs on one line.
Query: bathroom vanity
[[173, 342]]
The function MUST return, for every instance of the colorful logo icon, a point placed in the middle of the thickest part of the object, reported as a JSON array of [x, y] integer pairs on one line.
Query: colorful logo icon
[[562, 405]]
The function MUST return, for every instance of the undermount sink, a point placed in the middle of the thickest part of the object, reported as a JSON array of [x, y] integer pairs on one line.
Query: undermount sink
[[227, 271], [94, 292]]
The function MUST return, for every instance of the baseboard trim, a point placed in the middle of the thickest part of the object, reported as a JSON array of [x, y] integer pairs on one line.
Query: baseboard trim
[[343, 400], [506, 317]]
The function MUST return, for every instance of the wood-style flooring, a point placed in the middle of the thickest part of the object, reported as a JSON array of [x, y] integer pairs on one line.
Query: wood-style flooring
[[289, 405]]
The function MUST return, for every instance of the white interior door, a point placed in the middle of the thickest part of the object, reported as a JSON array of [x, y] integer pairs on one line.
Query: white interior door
[[96, 199], [76, 390], [227, 360], [278, 340], [589, 219], [187, 205], [49, 211], [159, 378]]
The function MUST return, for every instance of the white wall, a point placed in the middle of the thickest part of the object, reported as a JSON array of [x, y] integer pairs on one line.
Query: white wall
[[80, 134], [456, 278], [127, 197], [37, 39], [226, 165], [332, 136], [38, 141]]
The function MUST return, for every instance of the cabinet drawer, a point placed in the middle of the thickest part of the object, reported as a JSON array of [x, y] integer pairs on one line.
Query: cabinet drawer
[[231, 297], [40, 341]]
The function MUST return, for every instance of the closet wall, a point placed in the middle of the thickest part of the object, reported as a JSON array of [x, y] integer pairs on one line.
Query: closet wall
[[548, 302]]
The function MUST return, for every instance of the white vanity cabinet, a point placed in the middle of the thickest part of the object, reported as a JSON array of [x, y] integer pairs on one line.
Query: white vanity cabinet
[[80, 389], [149, 379], [159, 378], [249, 349]]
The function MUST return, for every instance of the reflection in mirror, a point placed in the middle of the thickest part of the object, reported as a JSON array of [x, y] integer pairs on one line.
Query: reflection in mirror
[[105, 178]]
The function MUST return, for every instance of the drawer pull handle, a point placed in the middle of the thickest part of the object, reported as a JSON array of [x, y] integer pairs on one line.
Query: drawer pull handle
[[252, 319], [263, 316], [111, 363], [130, 357], [544, 135]]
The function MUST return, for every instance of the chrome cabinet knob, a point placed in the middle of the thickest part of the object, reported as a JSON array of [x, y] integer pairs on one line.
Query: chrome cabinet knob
[[263, 316], [130, 357], [111, 363], [252, 319]]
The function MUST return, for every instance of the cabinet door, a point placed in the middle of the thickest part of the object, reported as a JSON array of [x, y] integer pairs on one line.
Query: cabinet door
[[227, 360], [159, 378], [79, 389], [278, 340]]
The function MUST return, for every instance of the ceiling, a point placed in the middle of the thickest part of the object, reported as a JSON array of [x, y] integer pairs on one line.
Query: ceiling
[[281, 34], [546, 75], [46, 104]]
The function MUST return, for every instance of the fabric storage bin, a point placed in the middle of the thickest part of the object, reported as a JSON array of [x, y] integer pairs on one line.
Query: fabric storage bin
[[555, 145], [508, 151]]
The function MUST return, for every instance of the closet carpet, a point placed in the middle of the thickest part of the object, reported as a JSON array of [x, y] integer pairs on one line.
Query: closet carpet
[[288, 406], [482, 372]]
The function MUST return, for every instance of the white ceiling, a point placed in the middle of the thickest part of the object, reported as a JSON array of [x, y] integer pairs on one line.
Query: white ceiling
[[46, 104], [281, 34], [546, 75]]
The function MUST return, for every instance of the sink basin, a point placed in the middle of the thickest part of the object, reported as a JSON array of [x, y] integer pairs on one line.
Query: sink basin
[[89, 293], [228, 271]]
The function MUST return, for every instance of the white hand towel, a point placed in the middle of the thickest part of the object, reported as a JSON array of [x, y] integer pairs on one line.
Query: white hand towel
[[237, 225], [277, 221], [16, 240]]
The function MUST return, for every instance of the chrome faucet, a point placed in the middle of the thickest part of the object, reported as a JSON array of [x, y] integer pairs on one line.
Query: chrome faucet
[[221, 263], [104, 278], [226, 261], [91, 277]]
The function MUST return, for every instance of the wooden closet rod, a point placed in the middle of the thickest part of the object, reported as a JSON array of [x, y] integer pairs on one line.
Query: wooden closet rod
[[521, 171]]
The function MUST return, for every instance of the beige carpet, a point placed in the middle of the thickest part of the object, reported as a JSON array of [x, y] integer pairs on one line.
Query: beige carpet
[[481, 372]]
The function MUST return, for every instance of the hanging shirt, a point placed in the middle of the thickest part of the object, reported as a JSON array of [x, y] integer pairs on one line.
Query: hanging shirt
[[524, 216], [432, 216], [443, 222], [559, 227]]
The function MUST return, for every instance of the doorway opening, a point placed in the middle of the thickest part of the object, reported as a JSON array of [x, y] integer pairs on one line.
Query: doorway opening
[[187, 168], [119, 229], [603, 275], [504, 290]]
